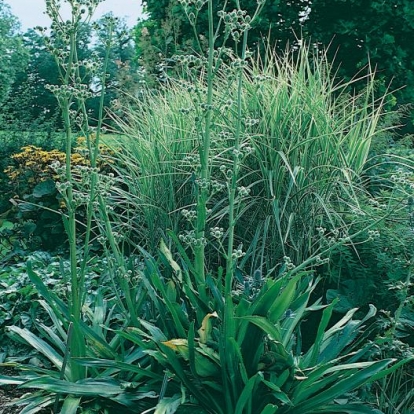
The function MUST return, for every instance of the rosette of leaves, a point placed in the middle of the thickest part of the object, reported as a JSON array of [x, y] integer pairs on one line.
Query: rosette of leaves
[[243, 354]]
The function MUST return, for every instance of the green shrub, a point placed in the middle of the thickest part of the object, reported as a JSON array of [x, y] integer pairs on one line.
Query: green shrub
[[36, 204]]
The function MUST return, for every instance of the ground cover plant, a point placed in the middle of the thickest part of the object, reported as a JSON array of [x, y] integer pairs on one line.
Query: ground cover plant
[[239, 181]]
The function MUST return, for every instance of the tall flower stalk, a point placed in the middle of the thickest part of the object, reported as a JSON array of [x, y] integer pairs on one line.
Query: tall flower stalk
[[204, 153], [236, 25], [72, 94]]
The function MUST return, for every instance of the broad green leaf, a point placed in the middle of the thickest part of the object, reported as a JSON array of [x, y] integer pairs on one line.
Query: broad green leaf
[[341, 387], [270, 409], [41, 346], [247, 394], [120, 366], [88, 387], [173, 307], [282, 378], [284, 300], [35, 403], [181, 250], [168, 255], [168, 405], [311, 357], [309, 387], [70, 405], [391, 369], [342, 367], [203, 396], [47, 187], [156, 333], [277, 392], [289, 324], [311, 381], [265, 325], [239, 362], [266, 298], [6, 380]]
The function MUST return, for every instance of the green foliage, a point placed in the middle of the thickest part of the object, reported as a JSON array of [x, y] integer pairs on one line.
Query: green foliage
[[358, 35], [36, 204], [247, 355], [30, 106], [258, 167], [395, 393], [11, 49], [304, 145], [20, 301], [376, 34], [168, 31], [41, 322], [377, 266], [370, 269]]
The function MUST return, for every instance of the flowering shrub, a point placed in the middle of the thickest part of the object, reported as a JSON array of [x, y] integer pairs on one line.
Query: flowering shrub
[[33, 165], [32, 188]]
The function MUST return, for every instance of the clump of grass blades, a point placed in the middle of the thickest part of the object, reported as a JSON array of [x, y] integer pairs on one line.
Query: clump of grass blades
[[304, 144]]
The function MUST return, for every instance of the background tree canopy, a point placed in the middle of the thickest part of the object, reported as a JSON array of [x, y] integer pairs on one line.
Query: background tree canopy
[[13, 55], [358, 33], [28, 66]]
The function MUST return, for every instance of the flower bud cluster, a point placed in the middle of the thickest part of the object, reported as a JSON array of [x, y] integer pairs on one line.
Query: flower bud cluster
[[63, 187], [190, 60], [217, 186], [249, 122], [320, 261], [243, 191], [373, 234], [261, 78], [224, 135], [217, 232], [189, 215], [405, 178], [190, 239], [203, 183], [247, 149], [70, 92], [238, 253], [288, 263], [192, 161], [236, 23]]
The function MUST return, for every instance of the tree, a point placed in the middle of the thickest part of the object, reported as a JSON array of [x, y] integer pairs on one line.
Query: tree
[[168, 31], [13, 54], [374, 32], [121, 71], [356, 33], [30, 103]]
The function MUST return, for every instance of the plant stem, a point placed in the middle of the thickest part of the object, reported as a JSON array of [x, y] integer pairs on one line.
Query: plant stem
[[93, 154], [77, 341], [203, 192]]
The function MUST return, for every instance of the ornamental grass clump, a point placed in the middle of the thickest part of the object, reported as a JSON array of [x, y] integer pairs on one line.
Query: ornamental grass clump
[[286, 156]]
